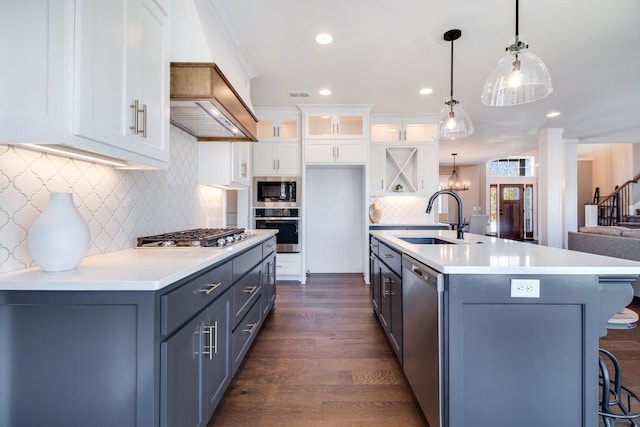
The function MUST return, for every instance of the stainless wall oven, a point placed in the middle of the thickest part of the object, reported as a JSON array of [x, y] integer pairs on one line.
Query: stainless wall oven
[[286, 221], [275, 191]]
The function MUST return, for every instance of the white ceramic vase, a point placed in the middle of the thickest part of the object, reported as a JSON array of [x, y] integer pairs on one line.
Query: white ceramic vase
[[59, 238]]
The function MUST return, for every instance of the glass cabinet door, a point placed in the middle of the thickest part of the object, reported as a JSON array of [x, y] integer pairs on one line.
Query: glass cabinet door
[[320, 125], [350, 125], [288, 129]]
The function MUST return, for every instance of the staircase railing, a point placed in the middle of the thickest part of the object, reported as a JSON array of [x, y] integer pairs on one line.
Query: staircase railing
[[613, 208]]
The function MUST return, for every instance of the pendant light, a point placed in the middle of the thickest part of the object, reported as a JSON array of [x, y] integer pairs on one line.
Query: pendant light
[[455, 183], [454, 121], [520, 76]]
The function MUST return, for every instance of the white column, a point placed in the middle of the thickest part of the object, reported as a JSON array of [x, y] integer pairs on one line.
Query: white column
[[570, 189], [551, 178]]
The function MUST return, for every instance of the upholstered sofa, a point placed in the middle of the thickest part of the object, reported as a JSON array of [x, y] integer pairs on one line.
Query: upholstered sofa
[[617, 242]]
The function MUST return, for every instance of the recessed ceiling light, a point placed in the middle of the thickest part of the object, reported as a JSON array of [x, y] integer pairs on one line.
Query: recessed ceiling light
[[324, 38], [426, 91], [324, 92], [553, 114]]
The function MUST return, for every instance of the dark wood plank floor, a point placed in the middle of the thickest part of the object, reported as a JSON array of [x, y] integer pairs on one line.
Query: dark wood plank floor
[[321, 359]]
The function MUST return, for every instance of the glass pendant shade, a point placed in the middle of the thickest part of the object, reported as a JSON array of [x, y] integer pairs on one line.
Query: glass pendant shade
[[454, 121], [519, 78]]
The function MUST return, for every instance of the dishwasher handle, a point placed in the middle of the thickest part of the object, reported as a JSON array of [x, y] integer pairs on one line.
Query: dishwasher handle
[[428, 276]]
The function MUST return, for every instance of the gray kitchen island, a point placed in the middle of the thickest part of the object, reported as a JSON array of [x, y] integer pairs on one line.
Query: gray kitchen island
[[146, 337], [496, 332]]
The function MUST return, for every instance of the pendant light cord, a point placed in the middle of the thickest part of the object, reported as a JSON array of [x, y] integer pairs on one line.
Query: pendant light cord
[[517, 29], [451, 86]]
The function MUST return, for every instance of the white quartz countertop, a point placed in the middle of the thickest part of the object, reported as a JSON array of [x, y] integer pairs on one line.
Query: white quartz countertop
[[477, 254], [135, 269]]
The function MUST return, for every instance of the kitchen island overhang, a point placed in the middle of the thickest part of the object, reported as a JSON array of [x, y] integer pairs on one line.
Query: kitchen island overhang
[[496, 348]]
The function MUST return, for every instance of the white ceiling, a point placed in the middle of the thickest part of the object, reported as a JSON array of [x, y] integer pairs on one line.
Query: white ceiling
[[384, 51]]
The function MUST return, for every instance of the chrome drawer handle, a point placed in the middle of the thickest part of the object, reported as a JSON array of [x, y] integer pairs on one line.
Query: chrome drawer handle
[[251, 327], [210, 288], [212, 332], [387, 255], [250, 290]]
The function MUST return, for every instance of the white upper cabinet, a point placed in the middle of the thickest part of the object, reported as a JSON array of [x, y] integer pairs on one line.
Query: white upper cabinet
[[393, 129], [336, 134], [278, 152], [331, 125], [224, 164], [103, 83], [278, 125], [403, 169], [277, 159]]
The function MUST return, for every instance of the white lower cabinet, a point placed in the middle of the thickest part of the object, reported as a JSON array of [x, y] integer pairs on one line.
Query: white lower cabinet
[[288, 264]]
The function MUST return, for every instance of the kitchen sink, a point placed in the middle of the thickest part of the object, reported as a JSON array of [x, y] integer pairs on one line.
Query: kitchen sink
[[425, 241]]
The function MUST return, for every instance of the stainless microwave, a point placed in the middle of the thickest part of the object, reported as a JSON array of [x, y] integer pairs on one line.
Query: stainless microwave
[[276, 191]]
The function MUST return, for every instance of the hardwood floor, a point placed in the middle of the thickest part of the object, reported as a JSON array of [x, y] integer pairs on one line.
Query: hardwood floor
[[321, 359]]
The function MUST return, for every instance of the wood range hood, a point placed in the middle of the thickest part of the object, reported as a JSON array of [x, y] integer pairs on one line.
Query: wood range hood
[[205, 105]]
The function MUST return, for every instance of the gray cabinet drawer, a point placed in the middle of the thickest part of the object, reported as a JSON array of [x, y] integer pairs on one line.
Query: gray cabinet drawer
[[268, 247], [181, 303], [245, 262], [245, 293], [374, 245], [245, 333], [390, 257]]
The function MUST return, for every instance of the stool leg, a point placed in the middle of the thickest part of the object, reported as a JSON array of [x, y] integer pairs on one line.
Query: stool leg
[[612, 393]]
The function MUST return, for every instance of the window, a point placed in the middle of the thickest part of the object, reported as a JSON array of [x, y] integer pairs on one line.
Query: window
[[512, 166]]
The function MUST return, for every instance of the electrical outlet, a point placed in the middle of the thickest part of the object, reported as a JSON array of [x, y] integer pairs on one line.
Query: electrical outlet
[[525, 288]]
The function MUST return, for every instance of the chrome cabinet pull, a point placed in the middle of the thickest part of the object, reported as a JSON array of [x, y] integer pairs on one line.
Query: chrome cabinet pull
[[135, 107], [212, 334], [210, 288], [382, 184], [387, 255], [250, 328], [278, 164], [136, 121], [275, 131], [214, 349], [250, 290], [144, 120], [274, 165]]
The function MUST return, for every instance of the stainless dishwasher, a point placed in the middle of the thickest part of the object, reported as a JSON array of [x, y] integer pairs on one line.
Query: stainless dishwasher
[[423, 298]]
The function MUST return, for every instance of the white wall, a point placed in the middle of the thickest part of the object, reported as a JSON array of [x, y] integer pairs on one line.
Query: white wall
[[118, 205], [334, 219], [192, 42]]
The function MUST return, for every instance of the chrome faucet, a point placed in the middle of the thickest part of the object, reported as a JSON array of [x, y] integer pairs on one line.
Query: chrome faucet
[[460, 226]]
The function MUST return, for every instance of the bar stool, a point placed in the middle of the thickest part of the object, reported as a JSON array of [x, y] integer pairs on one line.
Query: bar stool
[[616, 400]]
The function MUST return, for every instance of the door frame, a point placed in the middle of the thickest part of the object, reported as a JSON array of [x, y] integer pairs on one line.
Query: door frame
[[530, 218]]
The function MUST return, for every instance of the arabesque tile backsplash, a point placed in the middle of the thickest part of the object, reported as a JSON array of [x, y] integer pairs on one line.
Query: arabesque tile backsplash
[[118, 205], [402, 209]]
